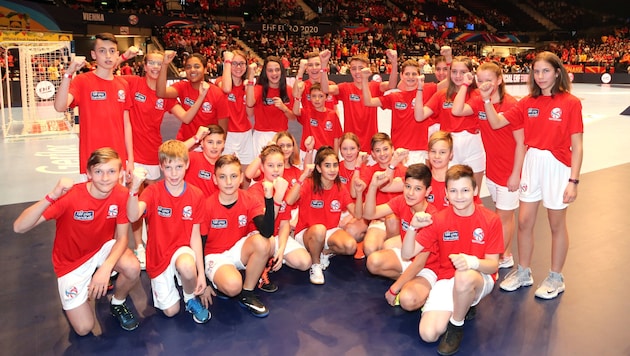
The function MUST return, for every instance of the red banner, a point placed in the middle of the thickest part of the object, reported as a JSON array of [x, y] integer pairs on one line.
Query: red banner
[[574, 68]]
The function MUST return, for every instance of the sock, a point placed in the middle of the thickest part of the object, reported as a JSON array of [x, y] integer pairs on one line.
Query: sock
[[456, 323], [118, 301], [556, 276], [188, 296]]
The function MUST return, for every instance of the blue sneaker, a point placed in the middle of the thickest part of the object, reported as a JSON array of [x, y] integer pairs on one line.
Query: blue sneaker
[[200, 314]]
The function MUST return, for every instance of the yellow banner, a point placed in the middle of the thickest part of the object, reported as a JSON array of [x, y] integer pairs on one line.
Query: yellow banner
[[10, 36]]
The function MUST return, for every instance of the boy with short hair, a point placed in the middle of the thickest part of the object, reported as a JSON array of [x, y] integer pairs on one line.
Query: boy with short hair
[[174, 211], [413, 277], [211, 139], [240, 227], [103, 100], [468, 239], [317, 120], [94, 209]]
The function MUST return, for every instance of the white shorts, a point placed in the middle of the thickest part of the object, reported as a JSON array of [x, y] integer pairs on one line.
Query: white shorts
[[73, 286], [299, 237], [214, 261], [425, 273], [544, 178], [441, 295], [503, 199], [432, 129], [261, 139], [416, 157], [154, 172], [241, 144], [291, 246], [165, 293], [468, 149]]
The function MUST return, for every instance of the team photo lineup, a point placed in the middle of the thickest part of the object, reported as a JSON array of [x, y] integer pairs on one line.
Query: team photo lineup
[[238, 195]]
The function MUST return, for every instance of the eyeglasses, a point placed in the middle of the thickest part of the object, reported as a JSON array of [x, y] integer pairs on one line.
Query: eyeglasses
[[239, 64], [154, 63]]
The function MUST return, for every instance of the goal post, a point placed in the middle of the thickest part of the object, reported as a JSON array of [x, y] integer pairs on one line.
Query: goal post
[[42, 59]]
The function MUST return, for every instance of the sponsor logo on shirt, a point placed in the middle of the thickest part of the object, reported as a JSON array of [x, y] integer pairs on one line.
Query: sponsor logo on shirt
[[532, 112], [189, 101], [308, 97], [203, 174], [556, 114], [121, 96], [478, 236], [482, 115], [405, 225], [83, 215], [159, 104], [206, 107], [447, 105], [344, 180], [400, 106], [218, 224], [112, 211], [98, 95], [231, 97], [450, 236], [242, 220], [187, 213], [164, 212], [431, 198], [314, 122], [355, 97], [269, 101], [317, 204], [335, 206], [139, 97], [328, 126]]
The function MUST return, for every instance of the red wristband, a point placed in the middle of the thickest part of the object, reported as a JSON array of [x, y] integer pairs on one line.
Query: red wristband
[[227, 61], [466, 85], [357, 168], [392, 292], [50, 200], [276, 203], [123, 57]]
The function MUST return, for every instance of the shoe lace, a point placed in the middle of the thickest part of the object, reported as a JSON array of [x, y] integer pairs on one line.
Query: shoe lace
[[264, 278], [194, 306], [123, 311]]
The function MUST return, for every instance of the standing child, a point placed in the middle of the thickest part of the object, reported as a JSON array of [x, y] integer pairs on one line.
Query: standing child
[[504, 148], [90, 240], [104, 102], [467, 238], [552, 120], [318, 121], [321, 200], [240, 227], [174, 211], [413, 277]]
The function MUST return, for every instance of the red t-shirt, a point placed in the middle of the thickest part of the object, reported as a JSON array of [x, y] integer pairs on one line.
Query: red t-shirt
[[406, 131], [146, 117], [268, 116], [227, 226], [102, 104], [284, 213], [214, 107], [200, 172], [324, 207], [323, 126], [366, 174], [239, 122], [499, 144], [84, 224], [345, 175], [476, 235], [358, 118], [331, 100], [549, 122], [170, 222], [448, 122]]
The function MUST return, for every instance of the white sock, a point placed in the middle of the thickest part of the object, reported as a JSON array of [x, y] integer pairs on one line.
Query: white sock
[[456, 323], [118, 301], [188, 296]]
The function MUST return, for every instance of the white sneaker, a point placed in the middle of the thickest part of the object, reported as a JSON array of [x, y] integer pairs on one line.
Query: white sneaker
[[506, 262], [324, 260], [317, 276], [517, 278], [550, 288], [141, 255]]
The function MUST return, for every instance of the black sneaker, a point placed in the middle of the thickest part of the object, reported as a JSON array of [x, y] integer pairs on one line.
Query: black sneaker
[[248, 300], [125, 316], [264, 284], [472, 313], [452, 338]]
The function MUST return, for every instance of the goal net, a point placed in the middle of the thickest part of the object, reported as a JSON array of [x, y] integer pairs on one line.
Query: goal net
[[41, 67]]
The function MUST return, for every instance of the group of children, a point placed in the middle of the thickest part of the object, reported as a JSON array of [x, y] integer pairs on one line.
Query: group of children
[[233, 198]]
